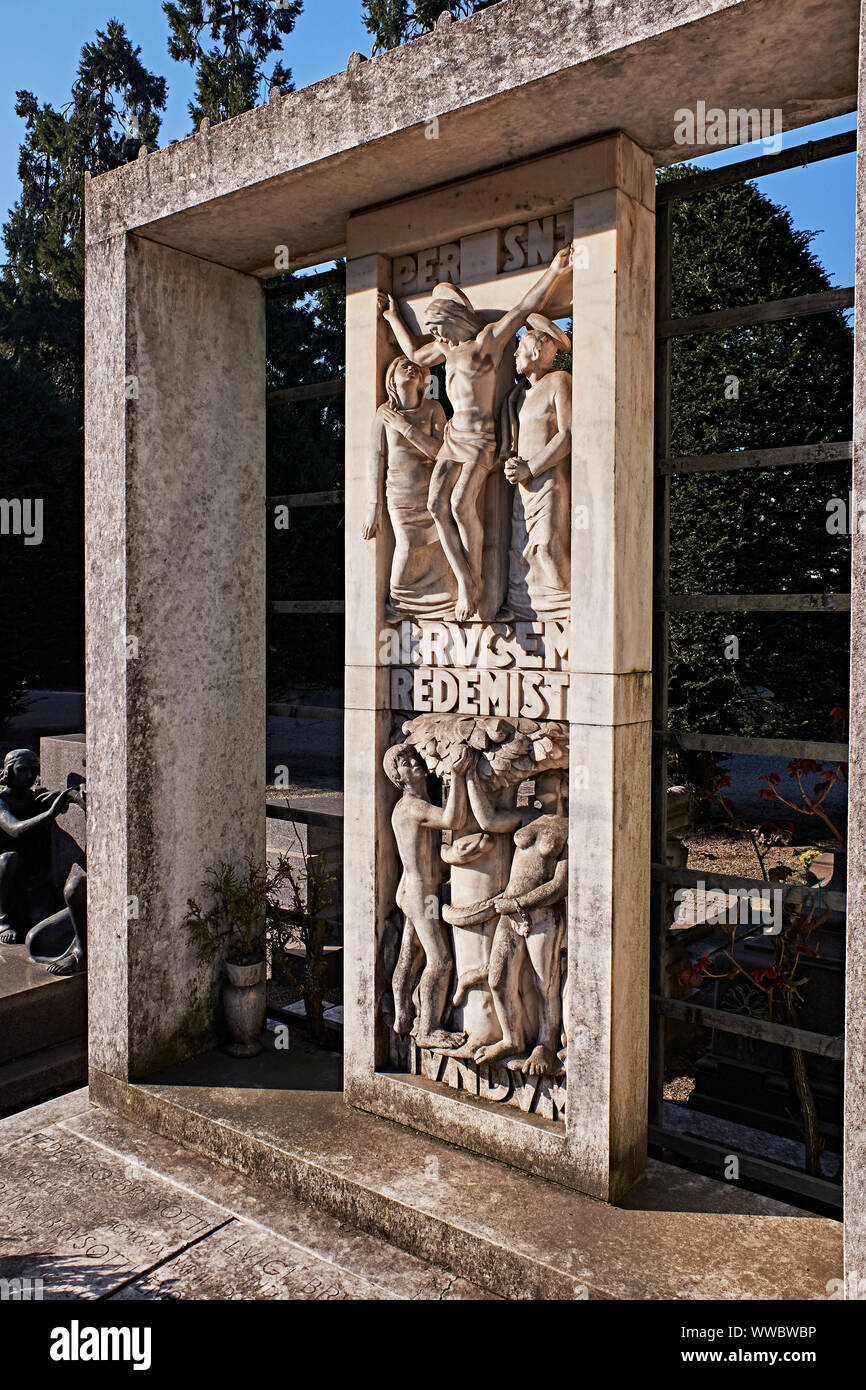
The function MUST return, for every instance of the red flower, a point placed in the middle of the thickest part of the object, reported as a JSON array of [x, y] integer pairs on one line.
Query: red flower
[[768, 976]]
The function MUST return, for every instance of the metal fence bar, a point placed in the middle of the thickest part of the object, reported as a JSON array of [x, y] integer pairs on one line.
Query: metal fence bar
[[663, 878], [809, 894], [818, 1044], [763, 1170], [308, 499], [749, 315], [313, 391], [320, 281], [308, 606], [757, 747], [278, 810], [793, 456], [659, 893], [325, 712], [799, 155], [756, 603]]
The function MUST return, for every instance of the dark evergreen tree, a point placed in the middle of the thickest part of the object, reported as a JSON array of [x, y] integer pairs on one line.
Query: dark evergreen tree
[[41, 586], [755, 531], [306, 343], [393, 22], [242, 34], [113, 110]]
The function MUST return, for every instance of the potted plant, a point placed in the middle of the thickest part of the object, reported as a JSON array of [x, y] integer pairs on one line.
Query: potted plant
[[233, 928]]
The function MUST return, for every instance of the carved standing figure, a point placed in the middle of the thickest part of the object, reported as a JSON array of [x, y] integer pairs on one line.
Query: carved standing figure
[[535, 444], [417, 825], [407, 436], [472, 352], [530, 926]]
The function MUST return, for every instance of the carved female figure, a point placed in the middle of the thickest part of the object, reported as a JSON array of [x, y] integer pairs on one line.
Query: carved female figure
[[27, 896], [407, 436], [25, 817]]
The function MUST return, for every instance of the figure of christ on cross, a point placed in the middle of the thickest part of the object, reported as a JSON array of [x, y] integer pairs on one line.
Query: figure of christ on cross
[[472, 352]]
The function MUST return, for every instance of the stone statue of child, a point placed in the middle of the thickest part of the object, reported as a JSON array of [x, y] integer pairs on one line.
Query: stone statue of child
[[536, 447], [417, 827], [530, 929], [27, 896], [472, 352]]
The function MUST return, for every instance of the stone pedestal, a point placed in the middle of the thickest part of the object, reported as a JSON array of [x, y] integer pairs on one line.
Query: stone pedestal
[[581, 679]]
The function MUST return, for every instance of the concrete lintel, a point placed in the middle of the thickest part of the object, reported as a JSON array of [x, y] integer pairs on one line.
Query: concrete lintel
[[291, 172]]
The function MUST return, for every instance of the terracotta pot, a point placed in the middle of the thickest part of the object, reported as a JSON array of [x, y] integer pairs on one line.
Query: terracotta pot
[[245, 1003]]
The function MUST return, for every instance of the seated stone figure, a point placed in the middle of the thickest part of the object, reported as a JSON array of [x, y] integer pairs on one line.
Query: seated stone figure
[[29, 906]]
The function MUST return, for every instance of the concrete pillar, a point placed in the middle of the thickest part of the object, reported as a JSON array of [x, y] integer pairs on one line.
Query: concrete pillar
[[855, 989], [611, 688], [601, 1148], [175, 443], [369, 859]]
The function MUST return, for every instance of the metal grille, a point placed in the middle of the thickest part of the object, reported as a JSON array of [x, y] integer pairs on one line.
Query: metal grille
[[671, 1143]]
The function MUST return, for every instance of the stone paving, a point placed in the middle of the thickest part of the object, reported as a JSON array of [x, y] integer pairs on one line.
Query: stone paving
[[97, 1208]]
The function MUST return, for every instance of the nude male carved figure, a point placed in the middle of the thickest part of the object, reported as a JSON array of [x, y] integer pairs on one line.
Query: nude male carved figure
[[530, 926], [472, 352], [417, 827], [535, 444]]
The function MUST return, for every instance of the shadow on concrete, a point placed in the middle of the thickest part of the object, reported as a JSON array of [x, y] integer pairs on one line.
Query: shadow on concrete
[[275, 1069]]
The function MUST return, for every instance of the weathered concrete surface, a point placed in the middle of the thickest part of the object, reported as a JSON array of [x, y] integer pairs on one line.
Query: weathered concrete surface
[[43, 1028], [97, 1208], [515, 1235], [37, 1009], [176, 623], [504, 85], [855, 970]]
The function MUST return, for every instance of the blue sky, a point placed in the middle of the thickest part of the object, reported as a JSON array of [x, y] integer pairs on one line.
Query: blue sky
[[40, 44]]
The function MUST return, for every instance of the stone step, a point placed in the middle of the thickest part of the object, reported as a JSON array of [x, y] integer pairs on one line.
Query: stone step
[[37, 1010], [281, 1119], [153, 1221], [29, 1080]]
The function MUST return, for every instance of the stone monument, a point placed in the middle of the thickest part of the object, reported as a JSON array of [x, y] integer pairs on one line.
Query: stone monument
[[498, 662]]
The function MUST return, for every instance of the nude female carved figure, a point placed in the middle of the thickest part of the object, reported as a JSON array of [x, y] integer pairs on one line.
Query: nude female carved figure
[[28, 900]]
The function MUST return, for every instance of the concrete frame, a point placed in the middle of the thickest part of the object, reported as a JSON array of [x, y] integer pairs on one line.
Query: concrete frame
[[177, 247]]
